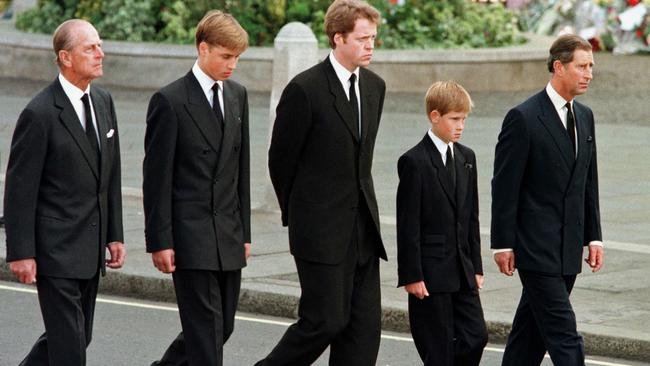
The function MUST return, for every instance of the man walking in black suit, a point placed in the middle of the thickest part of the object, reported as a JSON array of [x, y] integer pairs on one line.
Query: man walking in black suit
[[197, 191], [545, 207], [320, 163], [438, 239], [63, 199]]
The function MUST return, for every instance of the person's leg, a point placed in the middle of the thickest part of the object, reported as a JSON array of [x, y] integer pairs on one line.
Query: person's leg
[[358, 344], [432, 327], [64, 341], [548, 299], [470, 332], [229, 285], [323, 312], [525, 344]]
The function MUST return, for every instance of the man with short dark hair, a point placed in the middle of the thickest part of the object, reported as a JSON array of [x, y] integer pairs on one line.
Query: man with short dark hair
[[320, 163], [63, 197], [545, 207], [197, 191]]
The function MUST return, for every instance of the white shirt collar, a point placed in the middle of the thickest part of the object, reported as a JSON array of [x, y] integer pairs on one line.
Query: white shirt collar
[[341, 72], [71, 90], [205, 81], [441, 146], [556, 99]]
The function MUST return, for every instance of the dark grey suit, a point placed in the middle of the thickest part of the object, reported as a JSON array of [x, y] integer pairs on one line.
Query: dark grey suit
[[197, 201], [545, 207], [62, 209]]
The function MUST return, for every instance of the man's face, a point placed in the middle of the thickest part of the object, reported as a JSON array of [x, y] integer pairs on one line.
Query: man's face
[[448, 127], [217, 62], [355, 48], [84, 59], [576, 75]]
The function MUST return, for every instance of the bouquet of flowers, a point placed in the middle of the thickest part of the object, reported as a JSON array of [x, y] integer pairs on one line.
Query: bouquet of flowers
[[622, 26]]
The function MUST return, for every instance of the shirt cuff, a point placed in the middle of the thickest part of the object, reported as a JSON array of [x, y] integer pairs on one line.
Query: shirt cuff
[[495, 251], [597, 243]]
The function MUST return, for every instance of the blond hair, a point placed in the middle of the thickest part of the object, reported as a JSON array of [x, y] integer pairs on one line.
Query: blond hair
[[342, 15], [222, 29], [447, 96]]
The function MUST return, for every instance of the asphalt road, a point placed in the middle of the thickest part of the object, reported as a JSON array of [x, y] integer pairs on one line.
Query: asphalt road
[[132, 333]]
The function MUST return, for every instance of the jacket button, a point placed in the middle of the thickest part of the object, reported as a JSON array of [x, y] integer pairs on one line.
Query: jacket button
[[215, 213]]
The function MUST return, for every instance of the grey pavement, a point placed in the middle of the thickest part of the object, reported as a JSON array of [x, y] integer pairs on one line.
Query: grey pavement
[[133, 332], [612, 306]]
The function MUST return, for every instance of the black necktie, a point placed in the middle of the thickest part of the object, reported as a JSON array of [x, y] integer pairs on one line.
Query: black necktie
[[90, 129], [353, 101], [215, 105], [451, 167], [571, 126]]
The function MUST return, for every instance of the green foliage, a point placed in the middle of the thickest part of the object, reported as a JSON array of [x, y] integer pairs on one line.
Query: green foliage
[[417, 24]]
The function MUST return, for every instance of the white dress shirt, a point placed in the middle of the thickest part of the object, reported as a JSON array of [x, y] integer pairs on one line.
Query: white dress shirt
[[207, 83], [343, 75], [560, 107], [441, 146], [75, 94]]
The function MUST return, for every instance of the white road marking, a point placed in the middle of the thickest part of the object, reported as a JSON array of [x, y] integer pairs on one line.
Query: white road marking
[[101, 299]]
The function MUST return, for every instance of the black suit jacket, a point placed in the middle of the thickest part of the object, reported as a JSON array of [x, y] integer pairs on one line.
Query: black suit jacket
[[196, 180], [438, 234], [59, 206], [544, 199], [320, 169]]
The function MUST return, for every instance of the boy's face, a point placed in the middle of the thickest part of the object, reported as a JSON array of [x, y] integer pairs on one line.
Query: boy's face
[[448, 127], [217, 62]]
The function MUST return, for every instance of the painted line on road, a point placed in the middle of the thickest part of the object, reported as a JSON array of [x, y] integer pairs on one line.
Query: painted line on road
[[172, 308]]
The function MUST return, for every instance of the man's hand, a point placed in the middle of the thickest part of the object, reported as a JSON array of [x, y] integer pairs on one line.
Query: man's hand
[[247, 250], [24, 269], [164, 260], [479, 281], [417, 289], [117, 255], [596, 257], [506, 262]]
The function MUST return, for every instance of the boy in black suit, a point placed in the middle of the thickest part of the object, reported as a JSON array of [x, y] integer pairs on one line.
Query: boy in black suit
[[438, 240]]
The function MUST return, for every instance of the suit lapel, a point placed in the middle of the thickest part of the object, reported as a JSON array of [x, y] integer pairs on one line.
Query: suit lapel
[[551, 121], [70, 120], [436, 160], [368, 108], [461, 176], [341, 103], [101, 116], [231, 121], [199, 109]]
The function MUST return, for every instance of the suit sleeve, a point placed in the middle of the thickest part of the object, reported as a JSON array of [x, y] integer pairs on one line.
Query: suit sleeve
[[24, 169], [592, 206], [409, 196], [244, 172], [511, 155], [158, 172], [292, 125], [115, 231], [474, 225]]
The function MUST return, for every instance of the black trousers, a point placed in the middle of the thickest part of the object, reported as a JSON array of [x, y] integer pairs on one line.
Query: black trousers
[[68, 308], [448, 328], [207, 302], [544, 321], [340, 307]]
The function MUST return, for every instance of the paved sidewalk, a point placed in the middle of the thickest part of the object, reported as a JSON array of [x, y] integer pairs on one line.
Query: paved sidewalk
[[612, 306]]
